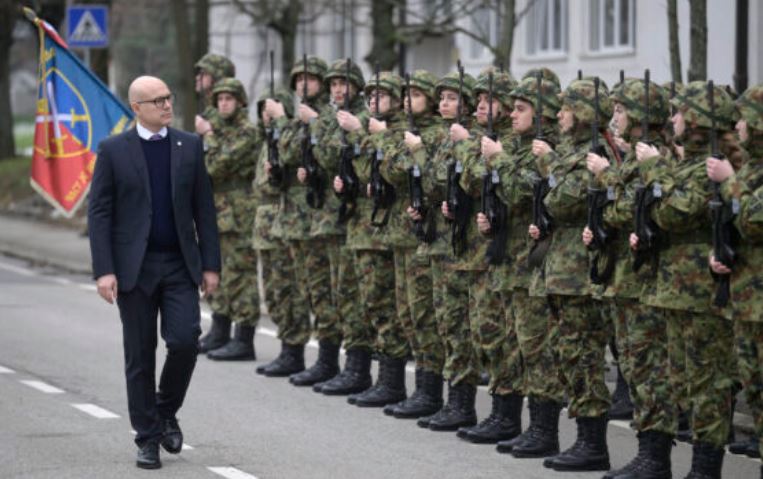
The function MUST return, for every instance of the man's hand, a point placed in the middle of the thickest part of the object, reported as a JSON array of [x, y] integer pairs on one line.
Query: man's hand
[[596, 164], [107, 287], [376, 126], [306, 113], [717, 266], [718, 170], [483, 224], [541, 148], [338, 184], [587, 236], [274, 108], [633, 241], [490, 148], [302, 175], [268, 167], [446, 211], [644, 151], [368, 190], [412, 141], [209, 282], [348, 121], [534, 232], [415, 215], [458, 132], [202, 126]]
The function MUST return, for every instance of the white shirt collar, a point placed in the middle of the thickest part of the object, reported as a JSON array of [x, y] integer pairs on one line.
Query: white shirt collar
[[146, 134]]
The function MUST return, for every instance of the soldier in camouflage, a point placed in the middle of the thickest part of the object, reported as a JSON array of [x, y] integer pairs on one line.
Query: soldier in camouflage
[[230, 157], [210, 69]]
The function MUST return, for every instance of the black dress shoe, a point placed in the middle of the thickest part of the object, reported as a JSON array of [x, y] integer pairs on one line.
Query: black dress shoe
[[172, 437], [148, 456]]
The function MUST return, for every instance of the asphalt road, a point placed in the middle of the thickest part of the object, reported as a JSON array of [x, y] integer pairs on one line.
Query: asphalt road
[[63, 409]]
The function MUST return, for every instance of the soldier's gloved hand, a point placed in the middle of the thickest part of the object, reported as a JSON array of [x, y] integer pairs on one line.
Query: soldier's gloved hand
[[644, 151], [413, 142], [458, 132], [633, 241], [483, 224], [596, 164], [306, 113], [302, 175], [338, 184], [541, 148], [534, 232], [202, 126], [348, 121], [376, 126], [446, 211], [718, 170], [490, 148], [274, 108], [587, 236], [717, 267], [415, 215]]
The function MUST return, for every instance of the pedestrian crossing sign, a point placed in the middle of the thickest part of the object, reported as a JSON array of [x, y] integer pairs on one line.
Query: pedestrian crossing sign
[[87, 26]]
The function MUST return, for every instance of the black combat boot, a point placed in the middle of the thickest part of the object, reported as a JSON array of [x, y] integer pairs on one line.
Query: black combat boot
[[652, 460], [325, 368], [427, 402], [418, 390], [748, 447], [389, 387], [291, 360], [459, 412], [240, 348], [622, 406], [589, 453], [354, 378], [218, 334], [541, 439], [706, 461], [503, 423]]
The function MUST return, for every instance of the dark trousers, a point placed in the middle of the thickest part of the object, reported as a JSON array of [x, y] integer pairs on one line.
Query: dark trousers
[[164, 286]]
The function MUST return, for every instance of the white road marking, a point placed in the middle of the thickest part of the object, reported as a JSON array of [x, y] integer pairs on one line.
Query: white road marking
[[87, 287], [41, 386], [61, 281], [17, 269], [95, 411], [231, 473], [4, 370]]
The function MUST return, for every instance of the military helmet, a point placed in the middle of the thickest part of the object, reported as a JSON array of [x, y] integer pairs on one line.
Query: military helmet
[[503, 85], [750, 106], [338, 69], [580, 97], [232, 86], [450, 82], [424, 81], [389, 82], [527, 90], [631, 96], [217, 66], [315, 66], [546, 74], [282, 95], [695, 104]]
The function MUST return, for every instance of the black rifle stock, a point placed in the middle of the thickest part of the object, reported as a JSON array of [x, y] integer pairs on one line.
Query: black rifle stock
[[382, 193], [314, 176], [415, 188], [492, 206], [276, 176], [541, 218], [351, 184], [459, 203]]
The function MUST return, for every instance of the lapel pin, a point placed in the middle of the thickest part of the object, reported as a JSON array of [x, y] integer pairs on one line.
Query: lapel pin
[[180, 143]]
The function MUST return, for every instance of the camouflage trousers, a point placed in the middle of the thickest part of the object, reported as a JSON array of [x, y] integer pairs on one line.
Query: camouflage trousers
[[492, 323], [287, 303], [537, 332], [415, 311], [583, 337], [452, 304], [376, 284], [357, 327], [322, 283], [749, 349], [703, 342], [238, 296]]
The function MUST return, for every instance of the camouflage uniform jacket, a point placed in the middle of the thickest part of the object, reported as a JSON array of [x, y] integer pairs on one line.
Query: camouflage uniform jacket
[[268, 203], [394, 169], [683, 279], [567, 263], [327, 153], [230, 158], [295, 215], [747, 187]]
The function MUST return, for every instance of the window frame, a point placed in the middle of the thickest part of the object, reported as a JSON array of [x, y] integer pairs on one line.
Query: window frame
[[549, 54], [618, 49]]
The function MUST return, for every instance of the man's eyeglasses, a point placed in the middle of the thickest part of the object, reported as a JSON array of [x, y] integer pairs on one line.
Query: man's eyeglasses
[[159, 101]]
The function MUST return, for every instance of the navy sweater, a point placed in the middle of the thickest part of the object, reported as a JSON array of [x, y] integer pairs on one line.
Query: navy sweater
[[163, 236]]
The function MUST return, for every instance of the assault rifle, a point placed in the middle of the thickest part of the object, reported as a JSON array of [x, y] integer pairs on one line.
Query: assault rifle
[[314, 175], [459, 203], [351, 188], [415, 187], [276, 176], [541, 218], [382, 193]]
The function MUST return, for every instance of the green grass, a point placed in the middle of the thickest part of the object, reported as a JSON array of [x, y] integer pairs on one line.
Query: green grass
[[14, 180]]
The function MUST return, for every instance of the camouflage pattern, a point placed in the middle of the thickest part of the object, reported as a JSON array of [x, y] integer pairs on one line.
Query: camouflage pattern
[[503, 85], [425, 82], [232, 86], [451, 82], [749, 349], [749, 105], [287, 308], [547, 75], [230, 160], [389, 82], [322, 283], [338, 69], [217, 66], [527, 90], [315, 66], [357, 324], [579, 97], [694, 103], [631, 96]]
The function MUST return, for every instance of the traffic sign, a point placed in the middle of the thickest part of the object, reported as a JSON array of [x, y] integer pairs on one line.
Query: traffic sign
[[87, 26]]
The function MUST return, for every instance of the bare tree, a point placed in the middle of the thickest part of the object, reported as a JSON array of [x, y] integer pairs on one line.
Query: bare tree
[[185, 62], [674, 44], [201, 28], [8, 16], [698, 40]]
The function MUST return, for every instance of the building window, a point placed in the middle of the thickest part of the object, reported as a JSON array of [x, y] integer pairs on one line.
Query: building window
[[546, 28], [611, 28]]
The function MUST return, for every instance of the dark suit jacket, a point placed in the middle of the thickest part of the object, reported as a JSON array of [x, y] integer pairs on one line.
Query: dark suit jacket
[[119, 207]]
